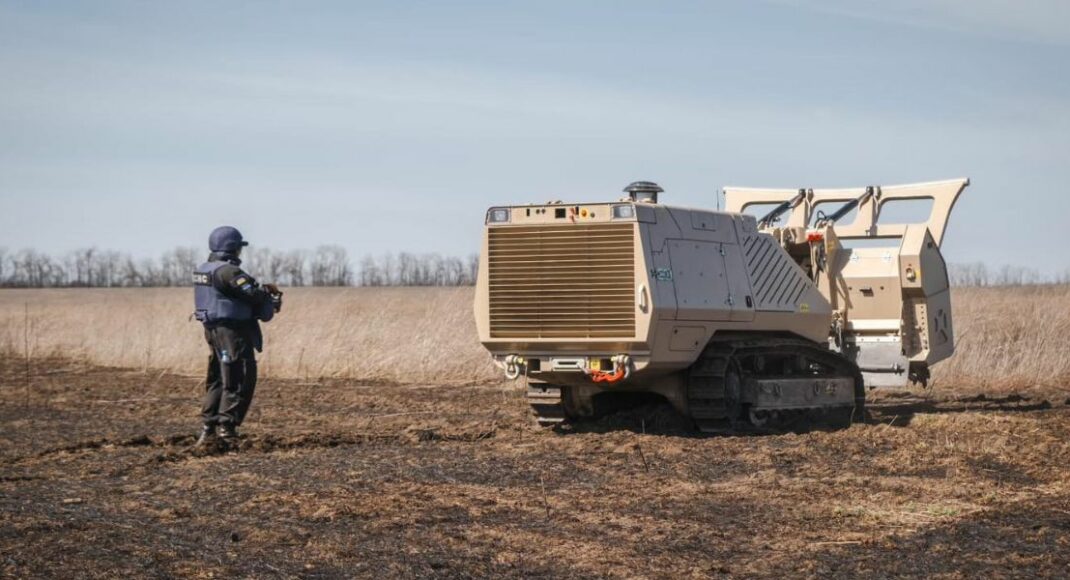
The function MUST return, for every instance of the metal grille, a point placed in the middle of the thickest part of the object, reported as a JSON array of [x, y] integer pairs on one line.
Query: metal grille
[[569, 281], [777, 281]]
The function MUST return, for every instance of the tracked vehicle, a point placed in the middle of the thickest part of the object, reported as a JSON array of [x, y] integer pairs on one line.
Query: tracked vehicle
[[786, 307]]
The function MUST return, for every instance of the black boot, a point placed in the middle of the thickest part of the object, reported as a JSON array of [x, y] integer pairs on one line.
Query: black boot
[[229, 433], [207, 435]]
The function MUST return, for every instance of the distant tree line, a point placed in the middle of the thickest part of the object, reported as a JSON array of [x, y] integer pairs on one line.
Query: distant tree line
[[418, 270], [977, 274], [323, 266], [330, 266]]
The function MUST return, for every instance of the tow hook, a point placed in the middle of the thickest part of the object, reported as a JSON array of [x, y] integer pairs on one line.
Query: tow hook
[[514, 365], [622, 369]]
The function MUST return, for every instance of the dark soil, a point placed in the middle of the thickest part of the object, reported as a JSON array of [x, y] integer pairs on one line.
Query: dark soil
[[98, 479]]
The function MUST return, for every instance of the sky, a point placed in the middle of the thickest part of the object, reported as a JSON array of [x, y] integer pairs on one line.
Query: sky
[[392, 126]]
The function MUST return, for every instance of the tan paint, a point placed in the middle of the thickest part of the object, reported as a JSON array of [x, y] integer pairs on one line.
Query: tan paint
[[897, 292], [700, 272]]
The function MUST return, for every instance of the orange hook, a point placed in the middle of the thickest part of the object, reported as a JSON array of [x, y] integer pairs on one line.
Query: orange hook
[[603, 377]]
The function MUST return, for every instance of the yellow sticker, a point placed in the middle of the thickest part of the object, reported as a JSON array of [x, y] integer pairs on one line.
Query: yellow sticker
[[596, 364], [804, 307]]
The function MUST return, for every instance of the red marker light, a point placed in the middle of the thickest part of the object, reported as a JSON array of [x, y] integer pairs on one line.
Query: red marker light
[[815, 237]]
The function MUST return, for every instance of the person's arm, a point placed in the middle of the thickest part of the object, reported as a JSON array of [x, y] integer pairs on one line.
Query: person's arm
[[237, 284]]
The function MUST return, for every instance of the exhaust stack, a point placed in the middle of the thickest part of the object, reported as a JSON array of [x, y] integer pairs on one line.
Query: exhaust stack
[[643, 191]]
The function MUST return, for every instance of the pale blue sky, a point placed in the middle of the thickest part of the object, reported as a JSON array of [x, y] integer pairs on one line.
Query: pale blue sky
[[392, 125]]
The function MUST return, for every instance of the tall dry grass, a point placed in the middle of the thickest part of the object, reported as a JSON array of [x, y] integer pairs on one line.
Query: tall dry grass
[[1007, 337], [1011, 337], [384, 334]]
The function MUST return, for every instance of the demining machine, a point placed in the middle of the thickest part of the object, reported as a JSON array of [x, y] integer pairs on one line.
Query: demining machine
[[788, 306]]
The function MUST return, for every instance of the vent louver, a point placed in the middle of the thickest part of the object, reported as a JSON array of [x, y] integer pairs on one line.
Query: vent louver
[[567, 281], [777, 282]]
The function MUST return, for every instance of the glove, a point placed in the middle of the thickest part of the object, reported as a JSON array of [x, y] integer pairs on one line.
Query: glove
[[276, 296]]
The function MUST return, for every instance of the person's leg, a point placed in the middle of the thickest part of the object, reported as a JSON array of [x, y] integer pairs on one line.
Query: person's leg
[[213, 385], [248, 387], [235, 351]]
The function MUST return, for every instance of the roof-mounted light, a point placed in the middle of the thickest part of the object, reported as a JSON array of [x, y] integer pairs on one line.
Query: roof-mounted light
[[498, 215]]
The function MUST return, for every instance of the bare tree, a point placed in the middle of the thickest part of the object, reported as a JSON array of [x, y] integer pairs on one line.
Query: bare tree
[[254, 259], [330, 267], [176, 267], [454, 272], [370, 273], [128, 272], [275, 263], [294, 267], [33, 269], [1063, 277], [83, 266], [109, 267], [473, 269], [391, 274], [968, 275]]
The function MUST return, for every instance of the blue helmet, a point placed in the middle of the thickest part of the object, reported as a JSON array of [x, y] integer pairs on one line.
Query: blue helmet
[[226, 239]]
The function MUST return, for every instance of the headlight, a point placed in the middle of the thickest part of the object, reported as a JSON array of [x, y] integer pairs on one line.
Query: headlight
[[498, 216], [623, 212]]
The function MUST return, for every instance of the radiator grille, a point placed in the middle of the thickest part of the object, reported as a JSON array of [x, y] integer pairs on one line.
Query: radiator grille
[[569, 281]]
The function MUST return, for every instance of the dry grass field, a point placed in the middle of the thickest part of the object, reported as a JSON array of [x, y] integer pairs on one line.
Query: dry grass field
[[358, 461], [1008, 338], [396, 335]]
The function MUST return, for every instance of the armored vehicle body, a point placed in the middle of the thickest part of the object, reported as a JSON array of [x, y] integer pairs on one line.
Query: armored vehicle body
[[738, 320]]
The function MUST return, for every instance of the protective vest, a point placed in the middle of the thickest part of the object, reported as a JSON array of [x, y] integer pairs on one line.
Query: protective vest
[[212, 305]]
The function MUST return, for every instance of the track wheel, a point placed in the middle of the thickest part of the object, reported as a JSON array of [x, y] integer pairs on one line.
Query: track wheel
[[547, 404]]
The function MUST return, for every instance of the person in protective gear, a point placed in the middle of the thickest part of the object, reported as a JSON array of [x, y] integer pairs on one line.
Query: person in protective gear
[[230, 303]]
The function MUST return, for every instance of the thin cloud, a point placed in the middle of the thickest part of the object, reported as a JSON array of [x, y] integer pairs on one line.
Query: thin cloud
[[1036, 21]]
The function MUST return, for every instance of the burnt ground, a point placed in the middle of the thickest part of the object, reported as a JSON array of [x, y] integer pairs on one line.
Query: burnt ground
[[339, 479]]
